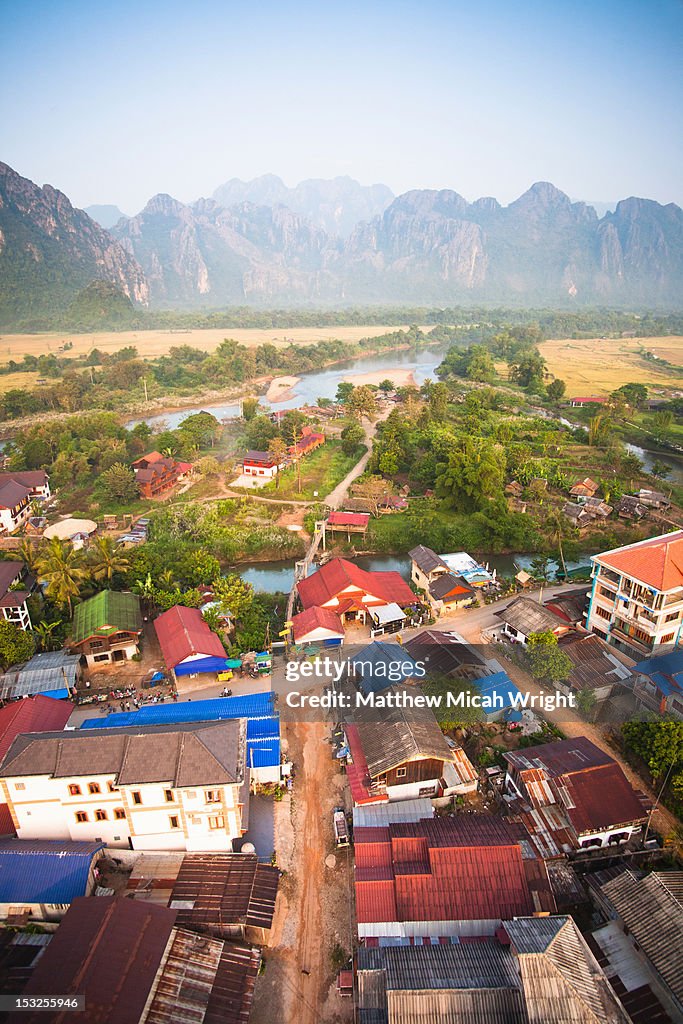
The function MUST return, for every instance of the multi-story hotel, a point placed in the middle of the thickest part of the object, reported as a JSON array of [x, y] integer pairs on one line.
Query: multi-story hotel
[[636, 602]]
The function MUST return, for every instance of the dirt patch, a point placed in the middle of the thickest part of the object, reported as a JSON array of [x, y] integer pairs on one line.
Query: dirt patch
[[315, 911], [281, 388]]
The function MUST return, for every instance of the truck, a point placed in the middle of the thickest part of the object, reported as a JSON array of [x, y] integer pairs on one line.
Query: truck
[[341, 831]]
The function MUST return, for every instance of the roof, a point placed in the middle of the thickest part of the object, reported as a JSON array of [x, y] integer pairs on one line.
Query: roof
[[44, 871], [381, 815], [380, 664], [442, 651], [45, 673], [34, 714], [426, 559], [9, 571], [657, 562], [569, 606], [560, 757], [670, 664], [348, 518], [462, 868], [391, 736], [106, 613], [68, 528], [191, 754], [216, 890], [593, 663], [108, 950], [495, 687], [651, 909], [450, 585], [250, 706], [339, 575], [384, 613], [27, 477], [12, 494], [150, 457], [528, 616], [316, 618], [586, 487], [183, 634], [255, 456]]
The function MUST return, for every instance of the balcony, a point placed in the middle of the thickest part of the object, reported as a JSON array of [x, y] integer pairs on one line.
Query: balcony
[[636, 645]]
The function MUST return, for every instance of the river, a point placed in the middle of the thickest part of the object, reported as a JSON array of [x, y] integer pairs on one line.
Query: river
[[270, 577], [318, 384]]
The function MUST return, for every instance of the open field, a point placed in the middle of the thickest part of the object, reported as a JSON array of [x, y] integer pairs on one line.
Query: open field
[[8, 381], [599, 365], [157, 343]]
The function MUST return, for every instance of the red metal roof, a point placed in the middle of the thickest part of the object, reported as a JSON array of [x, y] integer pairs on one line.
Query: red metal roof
[[348, 518], [603, 797], [107, 949], [339, 575], [31, 714], [316, 618], [657, 562], [444, 869], [182, 633], [6, 821]]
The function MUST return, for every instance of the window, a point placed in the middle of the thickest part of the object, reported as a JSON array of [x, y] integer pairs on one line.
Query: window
[[217, 822], [119, 813], [174, 821], [100, 657], [74, 790], [96, 645], [602, 612], [81, 816], [112, 788], [212, 796], [401, 773], [100, 815], [667, 639], [20, 786], [94, 788], [168, 793], [671, 617], [137, 797]]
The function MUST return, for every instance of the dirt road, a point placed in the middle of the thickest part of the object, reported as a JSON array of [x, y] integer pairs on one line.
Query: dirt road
[[337, 497], [315, 910]]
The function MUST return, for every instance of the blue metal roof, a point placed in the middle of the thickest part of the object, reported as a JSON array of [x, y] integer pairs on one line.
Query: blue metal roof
[[670, 664], [251, 705], [261, 729], [263, 755], [44, 871], [497, 685]]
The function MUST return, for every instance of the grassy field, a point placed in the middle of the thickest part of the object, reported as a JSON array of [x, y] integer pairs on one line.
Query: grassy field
[[598, 366], [157, 343], [17, 380], [321, 471]]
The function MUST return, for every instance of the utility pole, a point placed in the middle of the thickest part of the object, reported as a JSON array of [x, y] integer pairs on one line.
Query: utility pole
[[144, 384]]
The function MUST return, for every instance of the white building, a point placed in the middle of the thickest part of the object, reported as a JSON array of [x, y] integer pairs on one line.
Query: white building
[[183, 787], [15, 506], [14, 593], [636, 602]]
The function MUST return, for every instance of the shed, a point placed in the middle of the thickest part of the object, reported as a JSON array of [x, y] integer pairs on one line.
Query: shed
[[188, 645], [318, 625], [39, 878]]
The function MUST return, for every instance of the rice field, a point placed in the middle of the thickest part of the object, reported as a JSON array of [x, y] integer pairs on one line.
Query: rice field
[[597, 366]]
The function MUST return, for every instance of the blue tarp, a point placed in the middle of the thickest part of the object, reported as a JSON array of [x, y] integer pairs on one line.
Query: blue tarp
[[251, 705], [202, 665], [44, 871]]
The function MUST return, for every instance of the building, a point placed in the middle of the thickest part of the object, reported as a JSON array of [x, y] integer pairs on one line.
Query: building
[[584, 489], [178, 787], [225, 895], [16, 585], [380, 665], [630, 507], [577, 515], [659, 683], [131, 963], [77, 531], [597, 508], [15, 506], [446, 653], [257, 709], [580, 792], [50, 673], [348, 523], [400, 753], [460, 876], [36, 481], [653, 499], [106, 628], [449, 592], [524, 616], [536, 970], [156, 474], [471, 571], [636, 601], [310, 440], [648, 911], [350, 591], [39, 879], [578, 403], [595, 668], [500, 698], [188, 645], [261, 464], [317, 626], [378, 815], [570, 605], [426, 567]]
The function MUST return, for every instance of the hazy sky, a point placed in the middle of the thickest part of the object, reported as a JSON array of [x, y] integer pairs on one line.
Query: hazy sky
[[113, 101]]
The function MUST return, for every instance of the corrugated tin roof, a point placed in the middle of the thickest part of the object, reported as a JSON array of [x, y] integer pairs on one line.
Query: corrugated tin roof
[[109, 610], [339, 574], [34, 714], [378, 815], [183, 633], [250, 706], [182, 990], [528, 616], [426, 559], [377, 664], [225, 889], [44, 871]]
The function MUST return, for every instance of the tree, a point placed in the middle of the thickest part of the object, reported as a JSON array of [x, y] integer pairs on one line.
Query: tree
[[659, 744], [556, 390], [546, 660], [660, 469], [373, 489], [278, 449], [660, 424], [527, 369], [599, 429], [106, 560], [209, 466], [15, 644], [351, 437], [249, 408], [235, 596], [344, 390], [540, 566], [118, 483], [449, 714], [585, 702], [44, 633], [323, 403], [634, 395], [362, 401], [386, 386], [62, 570], [438, 400]]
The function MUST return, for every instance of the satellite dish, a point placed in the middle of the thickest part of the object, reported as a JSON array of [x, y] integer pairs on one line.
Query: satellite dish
[[248, 848]]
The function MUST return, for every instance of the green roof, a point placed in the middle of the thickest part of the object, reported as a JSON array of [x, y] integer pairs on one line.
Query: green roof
[[106, 613]]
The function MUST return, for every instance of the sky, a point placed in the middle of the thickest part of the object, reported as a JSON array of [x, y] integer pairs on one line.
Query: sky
[[113, 102]]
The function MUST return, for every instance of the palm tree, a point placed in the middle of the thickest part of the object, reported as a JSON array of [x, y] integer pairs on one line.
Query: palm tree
[[167, 580], [28, 552], [61, 569], [107, 559], [45, 639]]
